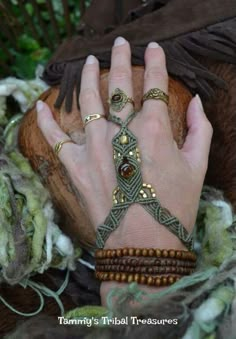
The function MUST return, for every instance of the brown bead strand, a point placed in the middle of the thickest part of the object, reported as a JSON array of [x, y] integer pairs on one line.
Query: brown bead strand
[[142, 269], [142, 261], [144, 279], [145, 252]]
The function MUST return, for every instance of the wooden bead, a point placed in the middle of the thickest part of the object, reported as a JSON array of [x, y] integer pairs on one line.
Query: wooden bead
[[111, 276], [125, 251], [131, 252], [133, 262], [151, 252], [123, 277], [105, 276], [143, 269], [119, 253], [171, 253], [158, 253], [138, 252], [150, 281], [130, 278], [137, 278], [145, 262], [144, 252], [113, 253], [143, 279], [163, 269], [117, 277], [165, 253], [158, 281], [178, 255], [164, 281], [129, 261], [171, 280]]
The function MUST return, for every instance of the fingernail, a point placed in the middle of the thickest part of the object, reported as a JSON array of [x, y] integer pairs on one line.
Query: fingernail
[[90, 59], [153, 45], [119, 41], [199, 101], [39, 105]]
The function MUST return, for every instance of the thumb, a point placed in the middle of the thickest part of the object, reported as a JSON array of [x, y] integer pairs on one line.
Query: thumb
[[197, 144]]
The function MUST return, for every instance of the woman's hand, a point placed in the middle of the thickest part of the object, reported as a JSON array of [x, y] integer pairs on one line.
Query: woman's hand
[[177, 175]]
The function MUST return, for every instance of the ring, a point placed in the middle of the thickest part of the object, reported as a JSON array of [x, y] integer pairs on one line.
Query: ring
[[91, 117], [118, 100], [59, 145], [156, 94]]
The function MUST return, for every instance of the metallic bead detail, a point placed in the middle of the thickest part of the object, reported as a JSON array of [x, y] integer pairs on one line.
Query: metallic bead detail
[[124, 140]]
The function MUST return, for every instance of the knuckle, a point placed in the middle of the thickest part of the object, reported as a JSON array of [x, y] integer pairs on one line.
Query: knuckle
[[154, 126], [88, 95], [120, 73], [155, 72], [54, 136]]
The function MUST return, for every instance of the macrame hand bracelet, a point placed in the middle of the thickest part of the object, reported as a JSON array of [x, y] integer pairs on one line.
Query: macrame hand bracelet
[[131, 188]]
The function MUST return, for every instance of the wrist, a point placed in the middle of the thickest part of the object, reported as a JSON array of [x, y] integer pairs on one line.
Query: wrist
[[140, 229]]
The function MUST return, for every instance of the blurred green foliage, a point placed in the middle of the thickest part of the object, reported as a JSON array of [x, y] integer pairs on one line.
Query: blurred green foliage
[[27, 51]]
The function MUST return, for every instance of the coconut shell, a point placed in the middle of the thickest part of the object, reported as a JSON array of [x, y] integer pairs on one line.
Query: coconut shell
[[74, 219]]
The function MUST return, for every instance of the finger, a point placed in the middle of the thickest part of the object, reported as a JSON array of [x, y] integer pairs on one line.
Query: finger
[[197, 144], [53, 134], [120, 75], [155, 76], [90, 99]]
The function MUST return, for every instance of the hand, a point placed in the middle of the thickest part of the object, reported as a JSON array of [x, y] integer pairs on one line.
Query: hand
[[177, 175]]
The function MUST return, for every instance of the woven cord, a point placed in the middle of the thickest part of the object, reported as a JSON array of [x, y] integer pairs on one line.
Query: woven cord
[[131, 188]]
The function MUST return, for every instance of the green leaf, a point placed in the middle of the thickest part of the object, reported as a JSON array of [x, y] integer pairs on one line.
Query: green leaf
[[25, 42], [24, 66], [41, 55], [29, 9]]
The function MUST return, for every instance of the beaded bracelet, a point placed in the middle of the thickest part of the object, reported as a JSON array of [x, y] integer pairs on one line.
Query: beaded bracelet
[[144, 279], [145, 252], [142, 269], [145, 261]]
